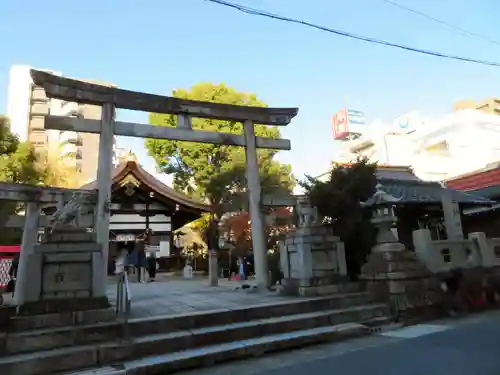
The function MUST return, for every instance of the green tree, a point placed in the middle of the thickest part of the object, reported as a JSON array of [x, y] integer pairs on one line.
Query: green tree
[[17, 159], [59, 170], [338, 201], [18, 164], [216, 173]]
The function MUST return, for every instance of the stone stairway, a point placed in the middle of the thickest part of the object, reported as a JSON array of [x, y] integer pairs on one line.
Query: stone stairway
[[160, 345]]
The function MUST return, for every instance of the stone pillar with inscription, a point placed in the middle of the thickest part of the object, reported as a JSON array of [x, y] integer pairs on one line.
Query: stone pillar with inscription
[[392, 272], [452, 216]]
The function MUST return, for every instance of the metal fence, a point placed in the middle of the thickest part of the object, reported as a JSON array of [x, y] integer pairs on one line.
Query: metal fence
[[123, 301]]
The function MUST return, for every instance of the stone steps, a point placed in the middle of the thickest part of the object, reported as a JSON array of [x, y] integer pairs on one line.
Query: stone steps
[[210, 355], [62, 330], [52, 350]]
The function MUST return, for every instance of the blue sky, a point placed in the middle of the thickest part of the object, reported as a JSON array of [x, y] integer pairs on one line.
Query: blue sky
[[159, 45]]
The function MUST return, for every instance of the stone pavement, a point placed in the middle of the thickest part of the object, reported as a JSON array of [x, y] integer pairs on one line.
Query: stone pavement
[[459, 347], [174, 295]]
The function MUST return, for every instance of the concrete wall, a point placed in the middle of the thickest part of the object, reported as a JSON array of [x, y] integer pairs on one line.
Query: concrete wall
[[443, 255]]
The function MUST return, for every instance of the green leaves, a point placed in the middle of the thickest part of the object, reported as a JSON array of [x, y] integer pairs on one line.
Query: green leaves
[[216, 172], [17, 160], [338, 199], [18, 164]]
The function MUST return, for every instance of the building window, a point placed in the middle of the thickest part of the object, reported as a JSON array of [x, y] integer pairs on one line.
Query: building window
[[439, 149]]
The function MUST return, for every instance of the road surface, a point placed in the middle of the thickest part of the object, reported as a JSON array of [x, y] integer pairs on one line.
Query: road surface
[[453, 347]]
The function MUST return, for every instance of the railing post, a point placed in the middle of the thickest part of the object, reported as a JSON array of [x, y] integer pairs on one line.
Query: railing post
[[118, 293]]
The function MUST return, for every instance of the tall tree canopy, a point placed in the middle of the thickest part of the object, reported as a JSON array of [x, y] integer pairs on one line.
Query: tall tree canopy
[[17, 159], [338, 201], [18, 164], [59, 170], [215, 173]]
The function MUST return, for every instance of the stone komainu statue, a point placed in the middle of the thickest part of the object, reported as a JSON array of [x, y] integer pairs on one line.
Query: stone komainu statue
[[305, 214], [79, 205]]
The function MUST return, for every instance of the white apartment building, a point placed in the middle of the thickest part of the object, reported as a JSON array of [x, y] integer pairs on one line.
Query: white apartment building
[[436, 148], [119, 154], [27, 107]]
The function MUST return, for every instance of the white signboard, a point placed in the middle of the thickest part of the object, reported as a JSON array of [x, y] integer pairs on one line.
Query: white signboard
[[164, 248], [125, 237]]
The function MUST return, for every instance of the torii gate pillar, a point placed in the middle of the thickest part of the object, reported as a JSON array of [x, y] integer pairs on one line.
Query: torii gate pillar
[[104, 170], [254, 196]]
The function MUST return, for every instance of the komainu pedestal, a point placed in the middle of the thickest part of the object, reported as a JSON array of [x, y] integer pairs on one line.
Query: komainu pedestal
[[312, 258], [63, 272]]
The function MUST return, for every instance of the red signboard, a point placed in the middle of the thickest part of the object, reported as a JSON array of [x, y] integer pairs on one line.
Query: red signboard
[[7, 254], [10, 249], [340, 124]]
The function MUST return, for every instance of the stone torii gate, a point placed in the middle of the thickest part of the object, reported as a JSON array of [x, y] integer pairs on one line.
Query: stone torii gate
[[111, 98]]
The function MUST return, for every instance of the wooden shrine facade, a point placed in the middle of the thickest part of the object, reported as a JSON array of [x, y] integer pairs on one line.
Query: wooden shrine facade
[[144, 210]]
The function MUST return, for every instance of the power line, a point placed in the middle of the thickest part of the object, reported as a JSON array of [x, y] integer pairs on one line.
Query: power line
[[437, 20], [256, 12]]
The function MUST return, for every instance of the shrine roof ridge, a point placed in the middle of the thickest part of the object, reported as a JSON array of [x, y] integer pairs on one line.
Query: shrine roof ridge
[[127, 167], [90, 93]]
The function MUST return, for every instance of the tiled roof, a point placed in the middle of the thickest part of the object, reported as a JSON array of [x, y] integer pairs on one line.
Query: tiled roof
[[417, 191], [132, 167], [478, 179]]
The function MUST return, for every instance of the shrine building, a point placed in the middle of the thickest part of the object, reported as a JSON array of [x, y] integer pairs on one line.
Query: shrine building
[[145, 210]]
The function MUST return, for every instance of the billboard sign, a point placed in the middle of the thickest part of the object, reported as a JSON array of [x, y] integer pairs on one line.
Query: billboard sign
[[340, 124], [347, 121], [355, 117], [408, 122]]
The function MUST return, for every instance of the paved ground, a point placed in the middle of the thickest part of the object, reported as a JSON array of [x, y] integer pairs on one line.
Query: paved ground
[[466, 347], [175, 295]]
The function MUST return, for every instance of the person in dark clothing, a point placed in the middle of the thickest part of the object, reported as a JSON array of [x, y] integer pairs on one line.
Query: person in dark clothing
[[12, 275], [13, 267], [151, 260], [450, 286]]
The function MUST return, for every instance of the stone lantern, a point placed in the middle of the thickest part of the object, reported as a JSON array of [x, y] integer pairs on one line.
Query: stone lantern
[[393, 273], [384, 219]]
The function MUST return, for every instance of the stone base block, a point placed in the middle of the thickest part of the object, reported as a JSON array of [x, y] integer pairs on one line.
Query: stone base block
[[320, 290], [71, 236], [308, 288], [31, 322], [52, 306], [397, 262], [6, 313]]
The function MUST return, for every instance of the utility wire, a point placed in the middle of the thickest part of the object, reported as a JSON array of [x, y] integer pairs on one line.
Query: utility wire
[[437, 20], [256, 12]]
